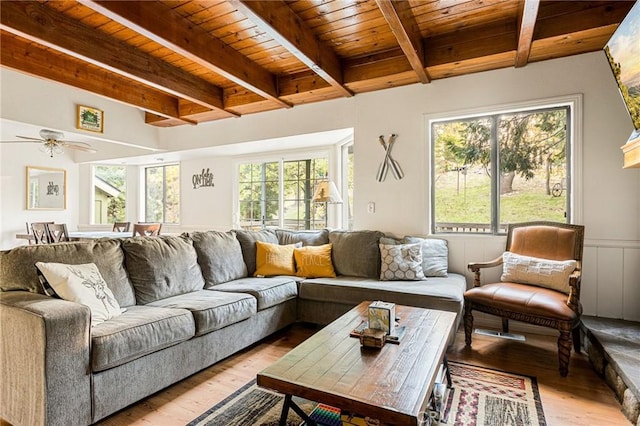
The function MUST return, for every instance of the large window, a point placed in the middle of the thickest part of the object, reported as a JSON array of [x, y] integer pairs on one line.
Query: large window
[[109, 194], [279, 193], [162, 193], [494, 169]]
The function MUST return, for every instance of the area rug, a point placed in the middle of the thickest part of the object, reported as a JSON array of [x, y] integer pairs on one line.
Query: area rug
[[479, 396]]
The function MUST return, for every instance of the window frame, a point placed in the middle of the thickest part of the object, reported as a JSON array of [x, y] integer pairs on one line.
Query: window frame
[[574, 153], [280, 158]]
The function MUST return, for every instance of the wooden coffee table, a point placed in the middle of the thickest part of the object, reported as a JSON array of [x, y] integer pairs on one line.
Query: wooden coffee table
[[393, 384]]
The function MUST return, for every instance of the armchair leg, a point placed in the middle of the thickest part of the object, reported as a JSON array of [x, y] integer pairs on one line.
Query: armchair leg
[[505, 325], [468, 325], [564, 352]]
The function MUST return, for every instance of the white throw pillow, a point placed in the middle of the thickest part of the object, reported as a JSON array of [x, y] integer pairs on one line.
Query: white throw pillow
[[81, 284], [553, 274], [435, 255], [401, 262]]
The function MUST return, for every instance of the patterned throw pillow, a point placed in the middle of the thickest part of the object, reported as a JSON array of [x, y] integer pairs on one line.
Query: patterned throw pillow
[[401, 262], [553, 274], [314, 261], [274, 259], [81, 284]]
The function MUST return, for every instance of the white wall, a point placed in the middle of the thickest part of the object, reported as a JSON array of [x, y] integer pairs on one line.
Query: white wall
[[611, 201], [14, 159]]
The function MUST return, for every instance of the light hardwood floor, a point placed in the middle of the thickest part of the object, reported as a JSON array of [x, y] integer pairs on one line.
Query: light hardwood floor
[[582, 398]]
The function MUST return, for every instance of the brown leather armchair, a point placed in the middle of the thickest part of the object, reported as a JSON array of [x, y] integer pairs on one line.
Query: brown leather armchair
[[531, 303]]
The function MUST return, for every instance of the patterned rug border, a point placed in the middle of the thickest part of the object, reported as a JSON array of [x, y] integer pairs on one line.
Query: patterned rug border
[[534, 387]]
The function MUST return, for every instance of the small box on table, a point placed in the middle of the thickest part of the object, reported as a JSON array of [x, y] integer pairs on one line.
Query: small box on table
[[382, 316]]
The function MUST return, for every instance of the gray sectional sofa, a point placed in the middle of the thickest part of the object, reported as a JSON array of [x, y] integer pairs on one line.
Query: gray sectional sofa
[[188, 301]]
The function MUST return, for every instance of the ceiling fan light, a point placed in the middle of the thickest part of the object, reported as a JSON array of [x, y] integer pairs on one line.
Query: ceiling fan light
[[51, 148], [47, 134]]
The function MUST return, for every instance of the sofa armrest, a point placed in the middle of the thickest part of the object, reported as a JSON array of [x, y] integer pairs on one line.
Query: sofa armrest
[[45, 360], [476, 266]]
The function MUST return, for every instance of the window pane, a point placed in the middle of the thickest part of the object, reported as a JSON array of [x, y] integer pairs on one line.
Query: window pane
[[162, 194], [529, 181], [462, 178], [172, 194], [109, 194], [532, 166], [153, 194]]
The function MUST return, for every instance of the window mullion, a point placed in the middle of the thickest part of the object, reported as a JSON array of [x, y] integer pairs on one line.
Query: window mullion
[[281, 193], [495, 173]]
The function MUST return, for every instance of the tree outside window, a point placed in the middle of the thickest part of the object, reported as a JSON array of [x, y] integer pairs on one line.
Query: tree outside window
[[497, 169]]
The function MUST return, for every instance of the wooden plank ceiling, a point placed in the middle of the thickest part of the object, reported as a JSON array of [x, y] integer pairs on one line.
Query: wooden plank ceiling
[[185, 62]]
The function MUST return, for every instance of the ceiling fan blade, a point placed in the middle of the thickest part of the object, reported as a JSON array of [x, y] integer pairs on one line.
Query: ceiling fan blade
[[33, 141], [81, 146], [29, 138]]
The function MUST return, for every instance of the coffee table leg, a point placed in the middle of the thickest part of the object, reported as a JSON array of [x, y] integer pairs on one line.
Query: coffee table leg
[[447, 372], [288, 403]]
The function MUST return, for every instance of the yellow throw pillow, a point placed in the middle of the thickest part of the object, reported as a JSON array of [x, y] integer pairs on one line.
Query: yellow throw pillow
[[274, 259], [314, 261]]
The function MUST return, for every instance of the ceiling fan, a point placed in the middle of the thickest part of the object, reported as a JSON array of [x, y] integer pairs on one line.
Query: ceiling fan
[[53, 143]]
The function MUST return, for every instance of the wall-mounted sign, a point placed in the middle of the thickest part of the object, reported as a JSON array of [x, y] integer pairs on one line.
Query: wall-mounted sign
[[203, 179]]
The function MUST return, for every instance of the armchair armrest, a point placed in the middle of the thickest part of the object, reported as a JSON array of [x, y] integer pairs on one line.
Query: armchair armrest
[[573, 301], [476, 266], [45, 354]]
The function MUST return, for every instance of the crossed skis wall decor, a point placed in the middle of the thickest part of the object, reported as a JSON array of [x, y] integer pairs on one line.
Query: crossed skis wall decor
[[388, 162]]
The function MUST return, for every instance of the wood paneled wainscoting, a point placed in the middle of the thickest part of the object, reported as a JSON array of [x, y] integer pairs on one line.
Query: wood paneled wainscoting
[[579, 399]]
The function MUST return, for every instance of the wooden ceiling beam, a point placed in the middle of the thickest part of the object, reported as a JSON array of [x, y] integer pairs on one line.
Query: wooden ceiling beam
[[404, 27], [41, 24], [22, 55], [161, 24], [283, 25], [554, 20], [527, 15]]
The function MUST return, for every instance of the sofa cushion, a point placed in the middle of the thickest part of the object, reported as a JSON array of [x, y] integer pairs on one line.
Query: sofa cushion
[[274, 259], [268, 291], [81, 284], [436, 293], [212, 310], [17, 270], [139, 331], [161, 267], [356, 253], [435, 255], [219, 256], [401, 262], [314, 261], [248, 243], [307, 238]]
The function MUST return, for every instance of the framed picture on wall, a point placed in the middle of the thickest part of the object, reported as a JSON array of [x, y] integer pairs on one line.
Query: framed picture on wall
[[90, 119]]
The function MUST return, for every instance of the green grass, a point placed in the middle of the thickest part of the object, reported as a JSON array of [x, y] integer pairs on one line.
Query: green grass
[[472, 204]]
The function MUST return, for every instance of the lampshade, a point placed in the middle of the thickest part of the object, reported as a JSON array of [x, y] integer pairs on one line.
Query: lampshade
[[326, 192]]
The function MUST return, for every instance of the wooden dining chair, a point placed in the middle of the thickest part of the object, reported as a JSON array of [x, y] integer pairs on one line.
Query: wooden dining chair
[[147, 229], [121, 226], [40, 232], [57, 232]]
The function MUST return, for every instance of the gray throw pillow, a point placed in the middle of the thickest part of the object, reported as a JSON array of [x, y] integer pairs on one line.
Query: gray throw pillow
[[356, 253], [435, 255], [248, 240], [219, 256], [161, 267], [401, 262], [307, 238]]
